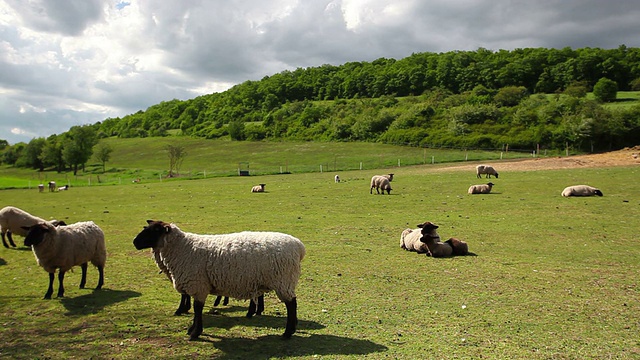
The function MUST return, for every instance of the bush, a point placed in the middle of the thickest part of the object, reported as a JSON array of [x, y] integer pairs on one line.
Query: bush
[[605, 90]]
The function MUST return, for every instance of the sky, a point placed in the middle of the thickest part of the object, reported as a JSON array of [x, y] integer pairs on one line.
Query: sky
[[73, 62]]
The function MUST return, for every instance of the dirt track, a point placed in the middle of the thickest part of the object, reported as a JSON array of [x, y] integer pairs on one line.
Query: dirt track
[[624, 157]]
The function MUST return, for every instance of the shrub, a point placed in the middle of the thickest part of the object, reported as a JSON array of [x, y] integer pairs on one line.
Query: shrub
[[605, 90]]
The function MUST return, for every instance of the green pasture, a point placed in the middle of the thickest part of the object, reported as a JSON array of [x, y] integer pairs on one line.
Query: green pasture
[[550, 278], [147, 159]]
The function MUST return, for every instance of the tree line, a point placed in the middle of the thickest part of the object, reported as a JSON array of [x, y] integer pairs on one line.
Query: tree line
[[474, 99]]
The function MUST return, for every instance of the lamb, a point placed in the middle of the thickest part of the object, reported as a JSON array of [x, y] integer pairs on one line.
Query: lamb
[[431, 238], [63, 247], [481, 189], [258, 188], [581, 190], [11, 221], [486, 169], [459, 247], [242, 265], [410, 241], [381, 182]]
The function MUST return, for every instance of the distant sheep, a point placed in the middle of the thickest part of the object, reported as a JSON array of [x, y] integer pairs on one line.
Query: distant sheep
[[12, 220], [63, 188], [52, 186], [337, 179], [40, 187], [242, 265], [581, 190], [63, 247], [381, 182], [258, 188], [481, 189], [486, 169]]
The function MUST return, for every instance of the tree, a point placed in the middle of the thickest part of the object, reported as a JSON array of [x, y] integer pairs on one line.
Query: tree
[[176, 154], [78, 146], [30, 157], [103, 154], [605, 90], [51, 154]]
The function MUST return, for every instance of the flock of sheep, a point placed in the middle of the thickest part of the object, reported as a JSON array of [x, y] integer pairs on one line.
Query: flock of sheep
[[243, 265]]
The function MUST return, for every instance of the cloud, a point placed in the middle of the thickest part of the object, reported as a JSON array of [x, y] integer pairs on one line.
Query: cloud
[[80, 62]]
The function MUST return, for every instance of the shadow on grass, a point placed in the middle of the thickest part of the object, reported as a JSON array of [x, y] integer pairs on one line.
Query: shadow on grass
[[95, 301], [272, 346], [3, 262]]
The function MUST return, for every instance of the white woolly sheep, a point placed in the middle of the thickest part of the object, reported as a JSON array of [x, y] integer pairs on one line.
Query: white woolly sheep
[[258, 188], [581, 190], [40, 187], [63, 247], [481, 189], [11, 221], [486, 169], [337, 179], [63, 188], [240, 265], [380, 182], [410, 241], [52, 186]]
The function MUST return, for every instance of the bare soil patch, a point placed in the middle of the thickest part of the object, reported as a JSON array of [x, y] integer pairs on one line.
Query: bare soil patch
[[624, 157]]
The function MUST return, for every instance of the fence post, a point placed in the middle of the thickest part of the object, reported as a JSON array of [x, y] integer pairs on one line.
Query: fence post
[[433, 160]]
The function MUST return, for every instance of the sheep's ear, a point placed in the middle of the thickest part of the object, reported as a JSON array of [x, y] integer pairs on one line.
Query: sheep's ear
[[149, 222], [420, 225]]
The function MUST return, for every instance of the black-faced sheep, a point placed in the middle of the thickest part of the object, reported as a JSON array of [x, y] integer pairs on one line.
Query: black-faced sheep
[[336, 179], [381, 182], [52, 186], [486, 169], [241, 265], [581, 190], [431, 238], [481, 189], [12, 220], [410, 241], [63, 247], [258, 188], [459, 247]]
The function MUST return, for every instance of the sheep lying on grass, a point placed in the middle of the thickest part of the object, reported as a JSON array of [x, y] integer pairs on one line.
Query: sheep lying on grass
[[241, 265], [426, 240], [481, 189], [258, 188], [458, 246], [12, 220], [581, 190], [63, 247], [487, 170], [410, 241], [381, 182], [431, 238]]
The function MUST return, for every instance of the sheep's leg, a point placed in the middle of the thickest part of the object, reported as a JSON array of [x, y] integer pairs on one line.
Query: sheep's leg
[[185, 305], [252, 309], [52, 276], [292, 318], [217, 302], [260, 305], [100, 277], [83, 280], [196, 328], [61, 284], [226, 301], [4, 241], [10, 237]]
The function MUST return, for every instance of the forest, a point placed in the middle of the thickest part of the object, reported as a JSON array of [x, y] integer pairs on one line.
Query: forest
[[524, 99]]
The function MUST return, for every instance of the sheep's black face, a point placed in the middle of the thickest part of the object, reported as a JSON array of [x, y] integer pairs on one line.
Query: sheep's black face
[[150, 235], [35, 234], [598, 192]]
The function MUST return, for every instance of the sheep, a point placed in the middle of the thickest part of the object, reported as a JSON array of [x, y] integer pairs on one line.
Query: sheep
[[380, 182], [486, 169], [258, 188], [52, 186], [64, 247], [459, 247], [481, 189], [410, 241], [337, 179], [11, 221], [242, 265], [40, 187], [63, 188], [185, 300], [581, 190], [431, 238]]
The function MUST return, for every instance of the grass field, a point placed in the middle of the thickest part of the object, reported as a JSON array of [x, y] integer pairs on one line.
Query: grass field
[[553, 278]]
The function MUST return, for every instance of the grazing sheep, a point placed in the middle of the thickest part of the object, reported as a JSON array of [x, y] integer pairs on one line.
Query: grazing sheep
[[64, 247], [40, 187], [258, 188], [337, 179], [12, 220], [459, 247], [410, 241], [581, 190], [380, 182], [241, 265], [52, 186], [486, 169], [481, 189]]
